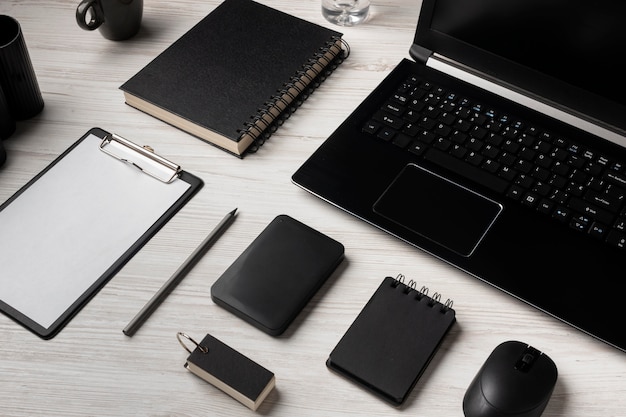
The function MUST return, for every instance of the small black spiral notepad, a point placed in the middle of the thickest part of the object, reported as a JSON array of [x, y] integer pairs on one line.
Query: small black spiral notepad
[[393, 339]]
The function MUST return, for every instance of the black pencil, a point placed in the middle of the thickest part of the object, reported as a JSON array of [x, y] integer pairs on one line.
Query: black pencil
[[180, 273]]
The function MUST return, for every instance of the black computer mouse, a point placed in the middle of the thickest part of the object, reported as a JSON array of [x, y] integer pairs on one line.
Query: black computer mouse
[[516, 380]]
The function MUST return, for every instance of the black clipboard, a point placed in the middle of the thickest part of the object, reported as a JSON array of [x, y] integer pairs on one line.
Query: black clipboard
[[71, 228]]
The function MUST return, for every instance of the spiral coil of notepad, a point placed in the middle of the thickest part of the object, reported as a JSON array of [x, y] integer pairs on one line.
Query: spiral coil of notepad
[[411, 287], [294, 92]]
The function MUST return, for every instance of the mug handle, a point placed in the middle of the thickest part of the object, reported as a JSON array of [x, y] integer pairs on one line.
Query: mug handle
[[97, 16]]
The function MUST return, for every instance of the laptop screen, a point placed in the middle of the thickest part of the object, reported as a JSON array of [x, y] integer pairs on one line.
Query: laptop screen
[[563, 52]]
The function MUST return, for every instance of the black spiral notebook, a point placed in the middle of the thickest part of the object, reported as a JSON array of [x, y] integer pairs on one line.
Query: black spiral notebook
[[235, 76], [393, 339]]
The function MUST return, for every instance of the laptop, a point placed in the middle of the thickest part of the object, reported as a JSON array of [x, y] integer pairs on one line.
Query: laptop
[[522, 189]]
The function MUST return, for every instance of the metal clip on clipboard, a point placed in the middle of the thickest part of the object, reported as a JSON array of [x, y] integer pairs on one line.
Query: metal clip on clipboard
[[143, 158]]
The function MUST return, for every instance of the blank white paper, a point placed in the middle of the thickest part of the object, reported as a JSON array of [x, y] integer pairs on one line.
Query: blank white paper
[[71, 225]]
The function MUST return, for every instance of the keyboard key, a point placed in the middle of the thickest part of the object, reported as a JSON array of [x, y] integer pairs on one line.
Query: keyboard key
[[559, 197], [400, 98], [462, 125], [527, 154], [580, 223], [559, 154], [579, 177], [561, 169], [491, 166], [576, 161], [510, 146], [598, 230], [389, 120], [371, 127], [545, 206], [411, 129], [527, 140], [476, 174], [557, 181], [530, 200], [427, 123], [495, 140], [490, 151], [543, 147], [416, 105], [575, 189], [411, 115], [515, 192], [386, 134], [458, 151], [393, 108], [523, 166], [478, 132], [442, 144], [540, 173], [616, 178], [474, 158], [447, 118], [426, 137], [474, 144], [458, 137], [561, 213], [615, 193], [432, 112], [426, 85], [541, 188], [508, 173], [616, 238], [442, 130], [417, 148], [524, 181], [402, 140], [604, 200]]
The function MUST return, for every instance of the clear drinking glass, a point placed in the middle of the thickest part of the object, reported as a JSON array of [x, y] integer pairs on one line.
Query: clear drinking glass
[[345, 12]]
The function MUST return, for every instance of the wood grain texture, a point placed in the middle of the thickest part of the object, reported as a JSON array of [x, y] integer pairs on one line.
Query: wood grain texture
[[92, 369]]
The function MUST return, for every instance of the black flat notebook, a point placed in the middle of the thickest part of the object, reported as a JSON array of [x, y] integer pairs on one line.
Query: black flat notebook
[[232, 372], [393, 339], [234, 77]]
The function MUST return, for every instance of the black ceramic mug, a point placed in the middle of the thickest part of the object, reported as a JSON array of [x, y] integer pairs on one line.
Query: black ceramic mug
[[117, 19]]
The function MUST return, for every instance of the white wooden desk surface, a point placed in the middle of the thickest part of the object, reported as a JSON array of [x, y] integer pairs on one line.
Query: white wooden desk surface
[[91, 368]]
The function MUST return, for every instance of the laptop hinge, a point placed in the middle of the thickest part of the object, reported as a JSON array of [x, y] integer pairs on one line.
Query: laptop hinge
[[419, 53], [526, 98]]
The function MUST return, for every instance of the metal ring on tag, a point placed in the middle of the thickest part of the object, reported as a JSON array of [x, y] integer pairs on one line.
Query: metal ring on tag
[[203, 349]]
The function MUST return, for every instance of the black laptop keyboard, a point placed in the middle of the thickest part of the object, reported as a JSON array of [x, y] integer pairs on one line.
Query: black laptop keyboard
[[552, 174]]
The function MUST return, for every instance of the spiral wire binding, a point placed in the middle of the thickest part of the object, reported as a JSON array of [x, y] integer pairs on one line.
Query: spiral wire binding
[[314, 71], [433, 301]]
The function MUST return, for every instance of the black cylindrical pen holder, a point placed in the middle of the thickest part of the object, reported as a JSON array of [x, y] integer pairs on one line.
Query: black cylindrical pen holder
[[7, 122], [17, 76]]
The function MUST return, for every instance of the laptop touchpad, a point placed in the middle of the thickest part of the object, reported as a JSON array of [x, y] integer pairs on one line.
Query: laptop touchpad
[[438, 209]]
